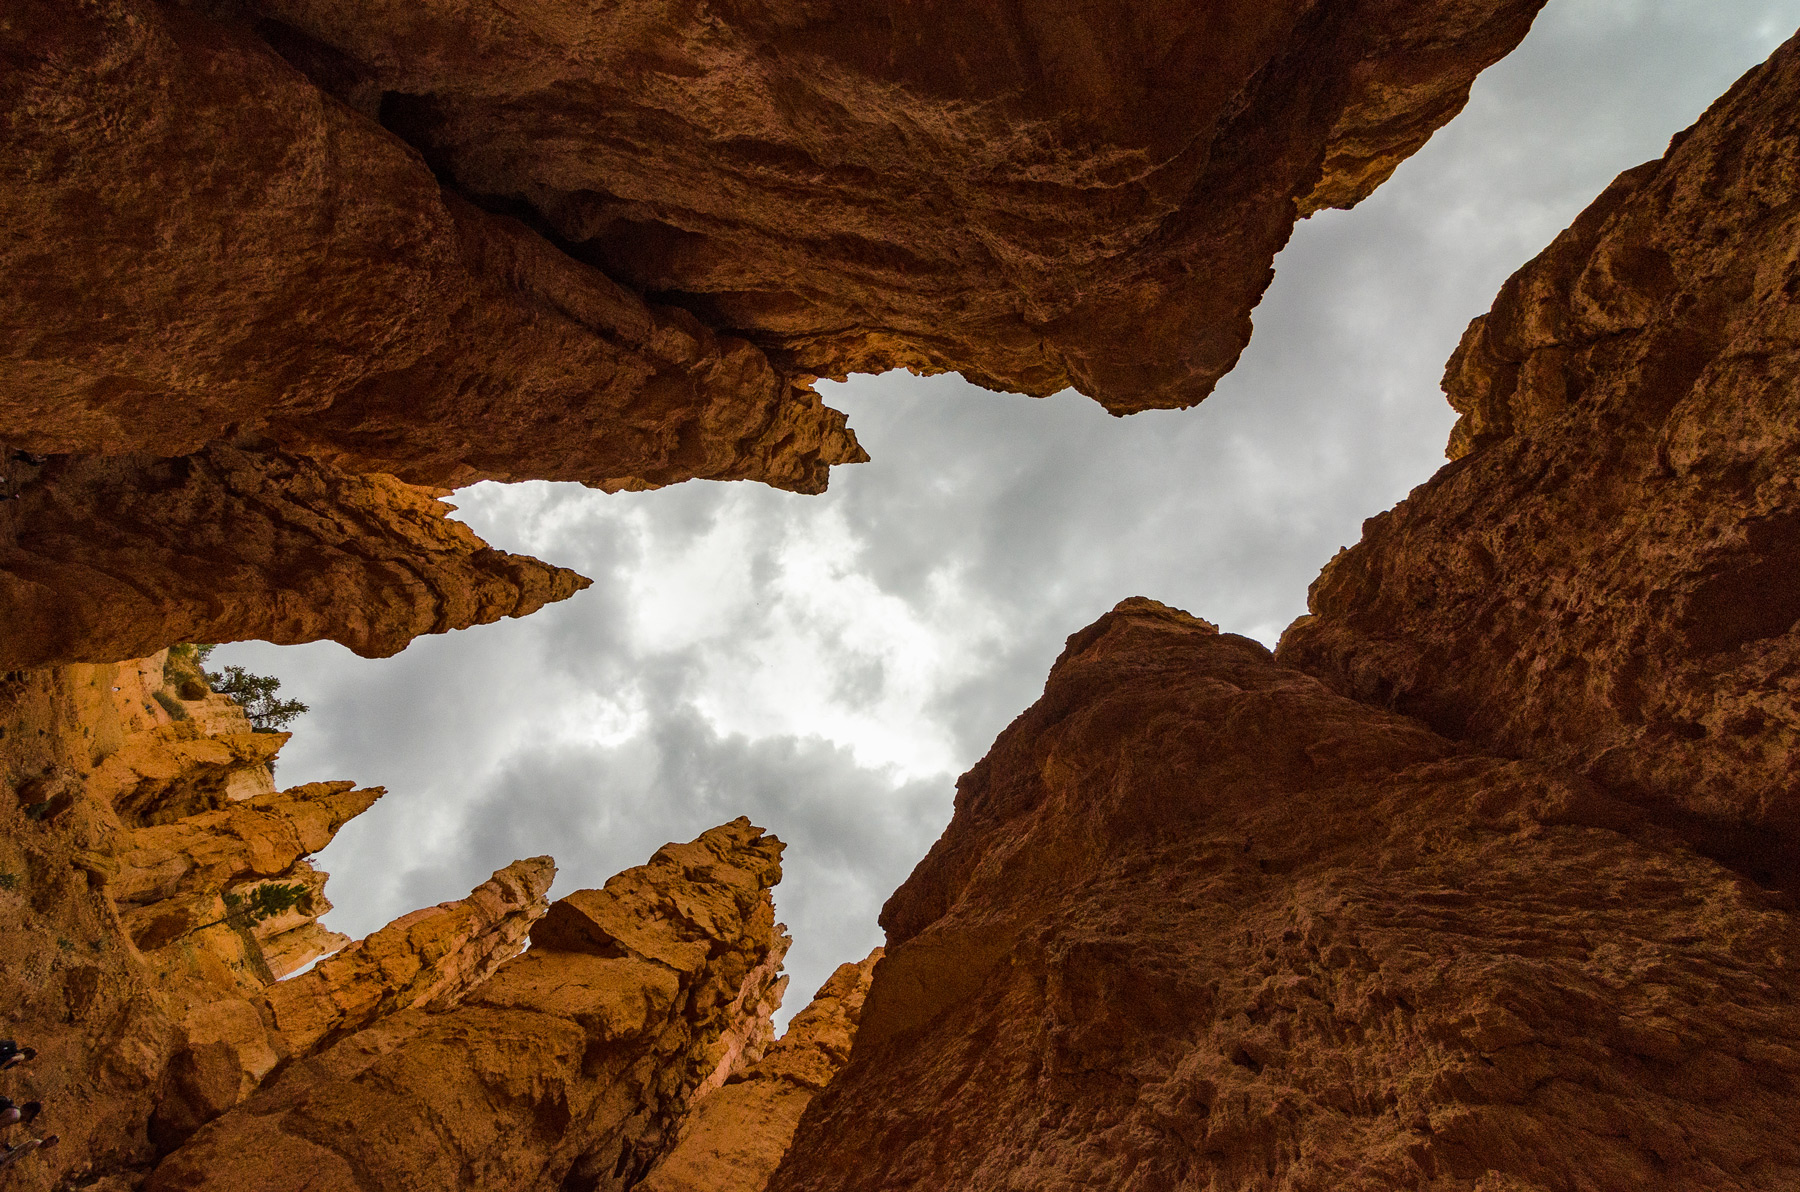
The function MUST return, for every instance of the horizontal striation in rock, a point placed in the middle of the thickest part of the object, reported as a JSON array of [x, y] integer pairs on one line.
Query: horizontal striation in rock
[[106, 557], [430, 957], [565, 1069], [1058, 194], [1608, 575], [1198, 921], [735, 1137]]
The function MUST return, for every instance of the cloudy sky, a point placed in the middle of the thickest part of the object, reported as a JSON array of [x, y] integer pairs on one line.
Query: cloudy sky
[[828, 665]]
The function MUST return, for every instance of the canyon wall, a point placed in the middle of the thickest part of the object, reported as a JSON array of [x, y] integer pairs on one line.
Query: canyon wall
[[177, 1051], [1200, 921], [269, 263], [109, 557], [1608, 575], [734, 1137]]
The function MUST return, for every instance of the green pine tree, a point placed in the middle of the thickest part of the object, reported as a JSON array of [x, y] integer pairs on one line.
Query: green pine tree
[[264, 902]]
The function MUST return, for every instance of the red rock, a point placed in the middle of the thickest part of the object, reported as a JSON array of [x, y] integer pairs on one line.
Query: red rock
[[1608, 576], [564, 1069], [1074, 194], [431, 957], [203, 247], [1200, 922], [734, 1138], [104, 558]]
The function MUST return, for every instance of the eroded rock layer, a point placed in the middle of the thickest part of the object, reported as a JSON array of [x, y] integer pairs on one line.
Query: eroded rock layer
[[1086, 194], [107, 557], [140, 826], [733, 1138], [566, 1069], [203, 245], [1608, 575], [1200, 922]]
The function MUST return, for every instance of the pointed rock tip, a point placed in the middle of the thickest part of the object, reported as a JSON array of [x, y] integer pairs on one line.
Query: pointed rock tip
[[1143, 606]]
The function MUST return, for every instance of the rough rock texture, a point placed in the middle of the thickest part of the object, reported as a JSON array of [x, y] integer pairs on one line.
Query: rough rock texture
[[1608, 577], [106, 557], [139, 800], [1199, 922], [734, 1138], [431, 957], [204, 246], [569, 1064], [1071, 193], [257, 838]]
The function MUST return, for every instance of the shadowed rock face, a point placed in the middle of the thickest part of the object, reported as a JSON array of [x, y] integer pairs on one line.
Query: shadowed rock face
[[285, 249], [1085, 194], [107, 557], [1200, 922], [1608, 576], [569, 1064], [204, 246], [735, 1136]]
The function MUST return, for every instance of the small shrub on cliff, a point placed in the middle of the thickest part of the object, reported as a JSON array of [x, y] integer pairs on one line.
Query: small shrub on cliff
[[265, 902], [171, 705], [256, 694]]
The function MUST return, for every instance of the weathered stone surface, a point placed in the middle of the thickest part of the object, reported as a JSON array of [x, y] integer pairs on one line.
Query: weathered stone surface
[[257, 838], [1608, 577], [734, 1138], [135, 1049], [1086, 194], [431, 957], [205, 247], [570, 1063], [106, 557], [1200, 922]]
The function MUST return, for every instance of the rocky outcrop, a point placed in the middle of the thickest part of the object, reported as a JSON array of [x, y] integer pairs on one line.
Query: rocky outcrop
[[106, 557], [266, 256], [1200, 922], [144, 822], [734, 1138], [1078, 195], [566, 1068], [1608, 575], [257, 838], [206, 247], [431, 957]]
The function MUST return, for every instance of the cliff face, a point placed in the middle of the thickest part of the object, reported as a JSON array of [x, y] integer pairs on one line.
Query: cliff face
[[142, 817], [108, 557], [565, 1069], [1198, 921], [735, 1137], [266, 257], [1080, 194], [207, 247], [1608, 576]]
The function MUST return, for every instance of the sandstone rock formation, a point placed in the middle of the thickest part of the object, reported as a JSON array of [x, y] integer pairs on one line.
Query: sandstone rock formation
[[431, 957], [734, 1138], [565, 1069], [1608, 575], [266, 256], [143, 805], [1085, 194], [206, 247], [108, 557], [1200, 922]]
